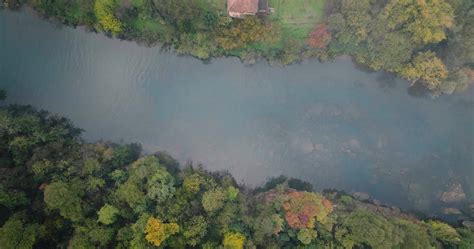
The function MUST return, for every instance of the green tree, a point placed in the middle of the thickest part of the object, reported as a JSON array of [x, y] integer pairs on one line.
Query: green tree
[[228, 217], [148, 181], [160, 185], [357, 18], [390, 51], [267, 224], [363, 228], [456, 81], [350, 28], [93, 184], [238, 33], [59, 195], [195, 230], [91, 166], [198, 45], [12, 198], [425, 21], [132, 195], [26, 131], [306, 235], [414, 236], [443, 233], [82, 241], [125, 154], [192, 183], [90, 234], [107, 214], [186, 16], [119, 176], [459, 50], [213, 199], [78, 12], [232, 193], [467, 238], [15, 234]]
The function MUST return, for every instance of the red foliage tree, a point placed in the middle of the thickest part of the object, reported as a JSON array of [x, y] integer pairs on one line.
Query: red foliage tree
[[319, 37], [302, 209]]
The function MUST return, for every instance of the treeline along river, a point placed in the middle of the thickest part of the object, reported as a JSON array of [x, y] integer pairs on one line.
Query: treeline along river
[[327, 123]]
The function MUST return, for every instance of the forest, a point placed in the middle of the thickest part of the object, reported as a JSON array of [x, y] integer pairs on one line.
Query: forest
[[59, 191], [430, 42]]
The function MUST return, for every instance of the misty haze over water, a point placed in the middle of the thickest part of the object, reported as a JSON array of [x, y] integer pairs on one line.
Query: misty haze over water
[[327, 123]]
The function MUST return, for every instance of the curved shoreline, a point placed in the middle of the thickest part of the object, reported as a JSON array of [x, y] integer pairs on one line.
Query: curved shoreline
[[292, 54], [97, 66], [103, 190]]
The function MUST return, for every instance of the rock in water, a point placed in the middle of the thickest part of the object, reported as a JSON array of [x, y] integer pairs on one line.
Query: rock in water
[[307, 147], [455, 193], [454, 211], [468, 224], [361, 196]]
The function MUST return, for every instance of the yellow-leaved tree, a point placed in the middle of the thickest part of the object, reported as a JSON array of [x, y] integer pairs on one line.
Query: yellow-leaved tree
[[234, 240], [156, 231], [424, 20], [428, 68], [104, 11]]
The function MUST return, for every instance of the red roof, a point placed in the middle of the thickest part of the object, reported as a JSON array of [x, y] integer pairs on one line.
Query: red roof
[[242, 6]]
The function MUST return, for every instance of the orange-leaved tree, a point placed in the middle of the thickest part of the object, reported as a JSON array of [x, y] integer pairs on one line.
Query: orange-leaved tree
[[303, 209], [319, 37]]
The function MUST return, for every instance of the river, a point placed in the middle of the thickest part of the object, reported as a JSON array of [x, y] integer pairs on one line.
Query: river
[[327, 123]]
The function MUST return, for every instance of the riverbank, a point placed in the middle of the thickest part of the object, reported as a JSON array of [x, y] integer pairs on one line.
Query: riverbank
[[58, 190], [334, 130], [293, 32]]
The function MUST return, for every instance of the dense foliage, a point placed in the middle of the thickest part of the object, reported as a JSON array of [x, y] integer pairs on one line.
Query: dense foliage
[[428, 42], [414, 39], [59, 191]]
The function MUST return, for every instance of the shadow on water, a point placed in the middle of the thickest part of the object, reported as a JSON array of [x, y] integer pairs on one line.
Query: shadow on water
[[387, 80], [418, 91]]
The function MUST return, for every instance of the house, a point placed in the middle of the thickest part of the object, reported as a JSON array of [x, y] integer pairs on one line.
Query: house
[[241, 8]]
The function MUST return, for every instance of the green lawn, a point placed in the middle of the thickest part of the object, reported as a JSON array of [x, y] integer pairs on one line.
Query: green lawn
[[297, 17], [220, 5], [147, 25], [137, 3]]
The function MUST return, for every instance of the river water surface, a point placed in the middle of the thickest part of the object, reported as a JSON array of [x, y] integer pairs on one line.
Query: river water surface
[[327, 123]]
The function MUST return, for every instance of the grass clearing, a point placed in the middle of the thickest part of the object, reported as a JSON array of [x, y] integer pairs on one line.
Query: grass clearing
[[297, 17], [147, 25], [219, 5], [137, 3]]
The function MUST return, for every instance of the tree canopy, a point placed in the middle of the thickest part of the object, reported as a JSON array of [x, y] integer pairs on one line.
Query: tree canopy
[[384, 35], [426, 21], [58, 190]]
